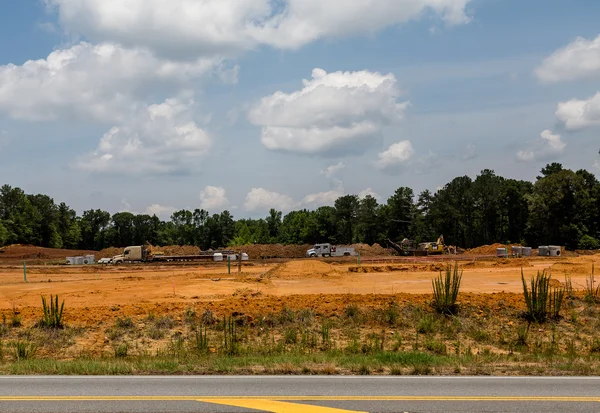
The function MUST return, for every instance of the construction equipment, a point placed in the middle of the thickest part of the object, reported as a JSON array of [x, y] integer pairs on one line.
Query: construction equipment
[[143, 253], [409, 247]]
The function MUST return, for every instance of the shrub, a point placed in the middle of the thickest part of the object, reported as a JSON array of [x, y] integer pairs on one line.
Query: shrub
[[291, 335], [121, 350], [352, 312], [542, 301], [24, 350], [588, 243], [426, 325], [445, 290], [124, 323], [53, 314]]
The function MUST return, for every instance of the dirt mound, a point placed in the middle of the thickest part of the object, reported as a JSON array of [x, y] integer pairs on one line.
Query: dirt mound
[[257, 251], [109, 252], [30, 252], [490, 249], [301, 269], [512, 262], [374, 250]]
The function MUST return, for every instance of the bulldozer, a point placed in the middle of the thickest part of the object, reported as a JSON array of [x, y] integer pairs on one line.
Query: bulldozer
[[409, 247]]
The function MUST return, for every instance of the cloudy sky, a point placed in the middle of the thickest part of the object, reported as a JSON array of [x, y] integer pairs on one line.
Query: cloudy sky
[[156, 105]]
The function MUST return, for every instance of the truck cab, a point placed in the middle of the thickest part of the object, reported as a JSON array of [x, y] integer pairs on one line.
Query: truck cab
[[320, 250]]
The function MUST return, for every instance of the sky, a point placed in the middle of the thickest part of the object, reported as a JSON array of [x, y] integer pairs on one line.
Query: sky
[[158, 105]]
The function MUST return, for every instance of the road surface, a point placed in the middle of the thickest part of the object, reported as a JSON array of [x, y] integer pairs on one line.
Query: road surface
[[290, 394]]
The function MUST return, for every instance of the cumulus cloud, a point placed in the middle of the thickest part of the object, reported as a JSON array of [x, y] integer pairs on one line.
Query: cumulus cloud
[[326, 198], [333, 169], [579, 114], [101, 82], [548, 146], [160, 139], [190, 27], [260, 199], [362, 194], [160, 211], [213, 198], [578, 60], [334, 113], [396, 157]]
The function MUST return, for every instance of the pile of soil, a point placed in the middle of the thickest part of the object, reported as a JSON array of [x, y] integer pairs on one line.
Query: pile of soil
[[302, 269], [109, 252], [257, 251], [490, 249], [374, 250], [30, 252]]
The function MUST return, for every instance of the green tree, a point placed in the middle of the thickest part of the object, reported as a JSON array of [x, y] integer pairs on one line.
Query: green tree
[[346, 210], [368, 227]]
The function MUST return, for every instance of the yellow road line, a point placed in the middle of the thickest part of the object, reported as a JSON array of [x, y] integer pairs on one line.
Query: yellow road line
[[305, 398], [275, 406]]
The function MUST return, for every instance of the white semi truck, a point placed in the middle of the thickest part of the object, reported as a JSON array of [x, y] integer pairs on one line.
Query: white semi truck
[[328, 250]]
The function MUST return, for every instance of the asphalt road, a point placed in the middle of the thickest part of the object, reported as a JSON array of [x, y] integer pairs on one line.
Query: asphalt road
[[310, 394]]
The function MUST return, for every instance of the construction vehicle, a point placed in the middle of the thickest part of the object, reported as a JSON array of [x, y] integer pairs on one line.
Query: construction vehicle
[[328, 250], [409, 247], [143, 253]]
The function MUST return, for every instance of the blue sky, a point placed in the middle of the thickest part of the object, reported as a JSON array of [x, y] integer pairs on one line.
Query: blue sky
[[168, 106]]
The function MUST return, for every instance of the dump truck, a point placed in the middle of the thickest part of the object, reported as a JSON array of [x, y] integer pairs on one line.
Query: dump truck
[[143, 253], [328, 250]]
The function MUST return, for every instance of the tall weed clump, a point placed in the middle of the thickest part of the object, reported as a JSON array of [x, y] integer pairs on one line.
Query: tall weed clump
[[53, 313], [543, 301], [592, 291], [445, 290]]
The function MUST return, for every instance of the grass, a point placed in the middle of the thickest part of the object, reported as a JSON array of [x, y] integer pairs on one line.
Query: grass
[[543, 301], [445, 290], [53, 313], [592, 291]]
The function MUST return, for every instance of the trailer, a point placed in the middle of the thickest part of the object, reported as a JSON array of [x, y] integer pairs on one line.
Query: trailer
[[141, 253]]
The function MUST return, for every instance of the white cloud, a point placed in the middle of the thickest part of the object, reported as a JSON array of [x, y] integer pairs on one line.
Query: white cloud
[[368, 191], [578, 60], [326, 198], [160, 211], [596, 165], [336, 112], [548, 146], [102, 82], [160, 139], [213, 198], [190, 27], [333, 169], [579, 114], [260, 199], [469, 152], [396, 157]]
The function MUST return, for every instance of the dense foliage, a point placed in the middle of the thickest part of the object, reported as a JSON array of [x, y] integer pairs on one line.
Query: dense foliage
[[561, 208]]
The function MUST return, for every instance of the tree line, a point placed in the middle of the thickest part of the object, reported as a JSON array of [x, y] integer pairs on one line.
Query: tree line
[[561, 207]]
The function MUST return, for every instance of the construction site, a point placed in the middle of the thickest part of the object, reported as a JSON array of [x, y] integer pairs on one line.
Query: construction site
[[276, 279]]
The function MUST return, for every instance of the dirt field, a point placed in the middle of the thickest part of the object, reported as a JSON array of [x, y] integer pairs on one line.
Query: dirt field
[[98, 298], [99, 286]]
